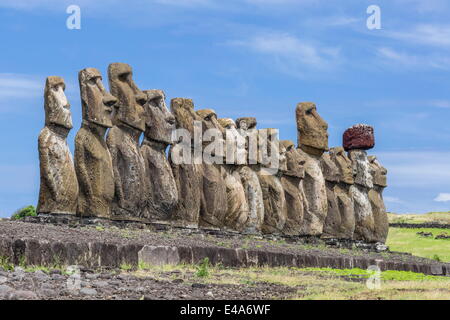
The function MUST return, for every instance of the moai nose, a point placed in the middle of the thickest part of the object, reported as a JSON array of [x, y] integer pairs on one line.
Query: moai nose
[[109, 100]]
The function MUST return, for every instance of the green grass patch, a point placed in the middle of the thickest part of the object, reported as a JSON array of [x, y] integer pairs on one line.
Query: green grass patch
[[385, 275], [407, 240]]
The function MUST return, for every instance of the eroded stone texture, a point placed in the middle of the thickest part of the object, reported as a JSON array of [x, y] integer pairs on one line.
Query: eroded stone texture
[[162, 193], [58, 181], [342, 224], [359, 136], [340, 221], [93, 161], [331, 175], [275, 209], [237, 205], [364, 219], [292, 182], [250, 180], [214, 193], [123, 143], [188, 176], [312, 142], [376, 200]]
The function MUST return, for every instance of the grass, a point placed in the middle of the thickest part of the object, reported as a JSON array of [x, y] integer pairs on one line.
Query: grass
[[431, 217], [316, 283], [407, 240]]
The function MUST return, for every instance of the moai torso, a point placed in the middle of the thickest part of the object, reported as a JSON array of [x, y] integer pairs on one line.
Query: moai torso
[[312, 142], [249, 177], [356, 140], [58, 182], [376, 200], [341, 223], [162, 193], [292, 182], [275, 210], [188, 175], [93, 161], [237, 206], [123, 143], [214, 205]]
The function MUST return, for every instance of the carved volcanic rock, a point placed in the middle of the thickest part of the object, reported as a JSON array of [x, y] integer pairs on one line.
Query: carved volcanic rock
[[93, 161], [376, 200], [360, 136], [58, 181]]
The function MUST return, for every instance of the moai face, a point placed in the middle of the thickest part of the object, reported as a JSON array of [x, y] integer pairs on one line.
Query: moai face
[[312, 129], [329, 169], [159, 122], [295, 161], [234, 142], [129, 109], [96, 102], [361, 168], [247, 123], [269, 149], [344, 164], [210, 122], [183, 110], [57, 108], [379, 173]]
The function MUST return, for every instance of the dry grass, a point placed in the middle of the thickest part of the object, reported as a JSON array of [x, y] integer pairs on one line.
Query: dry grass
[[431, 217]]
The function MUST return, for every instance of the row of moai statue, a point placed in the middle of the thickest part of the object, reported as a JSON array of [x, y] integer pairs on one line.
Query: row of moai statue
[[315, 191]]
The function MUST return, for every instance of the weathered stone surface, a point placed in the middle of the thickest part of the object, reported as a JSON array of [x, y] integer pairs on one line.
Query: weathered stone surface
[[159, 256], [292, 182], [364, 219], [312, 142], [359, 136], [93, 161], [312, 129], [250, 180], [376, 200], [162, 193], [237, 205], [340, 223], [275, 209], [58, 182], [331, 175], [188, 176], [214, 203], [123, 143]]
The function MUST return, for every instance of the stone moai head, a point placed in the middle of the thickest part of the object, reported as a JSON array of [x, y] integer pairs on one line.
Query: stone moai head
[[246, 123], [211, 125], [329, 168], [360, 136], [96, 102], [269, 149], [295, 161], [234, 142], [183, 110], [312, 129], [361, 168], [344, 165], [57, 108], [379, 173], [129, 109], [159, 123]]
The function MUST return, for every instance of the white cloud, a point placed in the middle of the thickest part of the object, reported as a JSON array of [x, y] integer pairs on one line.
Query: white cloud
[[291, 54], [19, 86], [429, 34], [402, 59], [393, 200], [443, 197]]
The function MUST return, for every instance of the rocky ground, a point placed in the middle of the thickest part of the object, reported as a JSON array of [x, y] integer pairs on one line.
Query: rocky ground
[[54, 284]]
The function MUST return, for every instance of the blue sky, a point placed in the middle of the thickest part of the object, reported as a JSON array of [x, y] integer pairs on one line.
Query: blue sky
[[245, 58]]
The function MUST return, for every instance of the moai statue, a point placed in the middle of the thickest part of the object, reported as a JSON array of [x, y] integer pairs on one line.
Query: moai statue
[[188, 174], [312, 143], [340, 223], [331, 174], [357, 140], [58, 192], [275, 209], [123, 143], [236, 155], [162, 194], [376, 200], [249, 176], [292, 182], [214, 192], [93, 161]]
